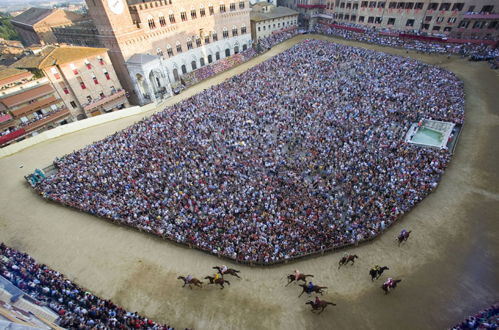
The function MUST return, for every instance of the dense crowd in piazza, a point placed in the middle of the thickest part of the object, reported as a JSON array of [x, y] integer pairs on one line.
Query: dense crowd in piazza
[[76, 307], [484, 319], [276, 38], [391, 38], [302, 153]]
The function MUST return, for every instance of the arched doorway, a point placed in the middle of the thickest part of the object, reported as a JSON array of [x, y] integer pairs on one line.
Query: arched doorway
[[142, 84], [245, 47], [176, 77], [236, 50], [184, 69], [201, 61], [227, 52], [193, 65], [217, 56], [210, 58]]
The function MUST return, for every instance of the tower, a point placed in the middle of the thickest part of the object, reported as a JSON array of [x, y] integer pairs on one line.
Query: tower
[[114, 23]]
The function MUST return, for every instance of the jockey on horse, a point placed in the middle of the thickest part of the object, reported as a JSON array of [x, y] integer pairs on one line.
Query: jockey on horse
[[188, 278], [224, 269], [310, 287], [389, 283], [297, 274]]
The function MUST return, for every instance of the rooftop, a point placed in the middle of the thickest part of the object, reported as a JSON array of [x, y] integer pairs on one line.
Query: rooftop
[[60, 55], [273, 12], [32, 16], [8, 75]]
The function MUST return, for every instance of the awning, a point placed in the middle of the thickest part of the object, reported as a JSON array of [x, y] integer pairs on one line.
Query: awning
[[11, 136]]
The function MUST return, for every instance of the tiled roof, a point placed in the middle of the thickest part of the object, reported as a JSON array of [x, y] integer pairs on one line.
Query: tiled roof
[[32, 16], [68, 54], [8, 75], [26, 96], [60, 55]]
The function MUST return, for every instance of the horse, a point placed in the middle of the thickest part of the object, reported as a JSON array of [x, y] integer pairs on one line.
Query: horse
[[230, 271], [321, 305], [403, 237], [220, 281], [375, 274], [387, 287], [315, 288], [346, 259], [301, 277], [192, 281]]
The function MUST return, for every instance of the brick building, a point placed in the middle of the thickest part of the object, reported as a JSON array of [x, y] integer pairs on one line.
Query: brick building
[[182, 35], [84, 78], [267, 19], [28, 105], [477, 19], [35, 24]]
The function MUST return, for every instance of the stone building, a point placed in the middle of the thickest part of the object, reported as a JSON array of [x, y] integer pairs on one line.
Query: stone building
[[267, 19], [28, 105], [84, 77], [477, 19], [82, 33], [35, 24], [185, 34], [464, 19]]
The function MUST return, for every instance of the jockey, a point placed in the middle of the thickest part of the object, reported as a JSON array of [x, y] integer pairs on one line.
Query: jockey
[[310, 286], [317, 300], [389, 282], [376, 268], [217, 276], [224, 269], [297, 274], [188, 278], [403, 232]]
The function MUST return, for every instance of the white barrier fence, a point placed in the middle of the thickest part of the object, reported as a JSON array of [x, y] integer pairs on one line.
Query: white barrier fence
[[73, 127]]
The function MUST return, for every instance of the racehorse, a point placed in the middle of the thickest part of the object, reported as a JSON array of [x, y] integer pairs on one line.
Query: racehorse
[[315, 288], [321, 305], [230, 271], [375, 274], [301, 277], [192, 281], [387, 287], [220, 281], [346, 259], [404, 236]]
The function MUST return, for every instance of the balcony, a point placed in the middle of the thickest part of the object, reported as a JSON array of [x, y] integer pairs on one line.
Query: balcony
[[35, 106], [53, 116], [481, 15], [104, 100]]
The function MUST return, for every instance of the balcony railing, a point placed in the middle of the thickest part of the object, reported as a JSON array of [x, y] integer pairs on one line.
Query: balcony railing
[[481, 15], [56, 115], [103, 100]]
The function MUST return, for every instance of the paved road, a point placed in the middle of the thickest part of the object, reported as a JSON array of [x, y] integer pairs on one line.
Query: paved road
[[449, 267]]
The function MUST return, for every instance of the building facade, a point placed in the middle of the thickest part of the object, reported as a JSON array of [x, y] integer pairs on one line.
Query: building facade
[[267, 19], [28, 105], [456, 18], [35, 24], [84, 77], [186, 34]]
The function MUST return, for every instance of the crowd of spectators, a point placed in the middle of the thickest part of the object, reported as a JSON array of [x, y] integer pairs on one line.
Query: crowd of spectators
[[76, 307], [301, 153], [486, 319], [392, 39], [222, 65], [276, 38]]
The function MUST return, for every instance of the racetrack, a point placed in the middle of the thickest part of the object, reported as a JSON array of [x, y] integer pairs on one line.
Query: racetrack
[[449, 266]]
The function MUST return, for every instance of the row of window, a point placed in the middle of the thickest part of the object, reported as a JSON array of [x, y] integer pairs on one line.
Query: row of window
[[198, 42], [193, 14], [444, 6], [209, 58], [273, 26], [410, 22]]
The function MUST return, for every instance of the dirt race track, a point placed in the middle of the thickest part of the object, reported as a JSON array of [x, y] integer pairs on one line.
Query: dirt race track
[[449, 266]]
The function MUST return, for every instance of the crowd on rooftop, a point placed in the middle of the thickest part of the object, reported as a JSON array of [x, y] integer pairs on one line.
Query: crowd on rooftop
[[76, 307], [485, 319], [301, 153]]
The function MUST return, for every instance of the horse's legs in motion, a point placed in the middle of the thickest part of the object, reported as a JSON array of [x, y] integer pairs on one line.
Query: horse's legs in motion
[[289, 282], [301, 293], [222, 286]]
